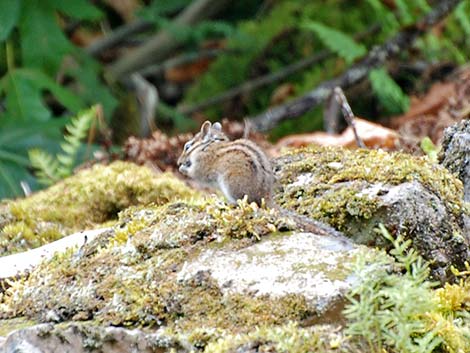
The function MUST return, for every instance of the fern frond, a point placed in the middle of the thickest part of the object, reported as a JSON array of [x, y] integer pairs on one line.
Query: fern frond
[[337, 41], [390, 95], [77, 130], [45, 165]]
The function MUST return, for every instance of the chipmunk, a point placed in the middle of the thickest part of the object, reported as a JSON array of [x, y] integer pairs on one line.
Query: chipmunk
[[238, 168]]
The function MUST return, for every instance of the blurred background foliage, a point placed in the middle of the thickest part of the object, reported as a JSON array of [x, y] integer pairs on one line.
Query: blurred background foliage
[[51, 67]]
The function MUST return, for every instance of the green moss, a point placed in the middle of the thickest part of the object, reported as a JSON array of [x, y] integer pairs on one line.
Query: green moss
[[91, 197], [338, 177], [288, 338], [129, 276], [7, 326]]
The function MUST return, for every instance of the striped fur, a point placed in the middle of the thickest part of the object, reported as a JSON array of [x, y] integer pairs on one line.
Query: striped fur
[[237, 168]]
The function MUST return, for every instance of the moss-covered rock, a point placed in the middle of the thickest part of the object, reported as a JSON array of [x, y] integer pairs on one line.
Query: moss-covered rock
[[221, 278], [85, 200], [129, 278], [355, 191]]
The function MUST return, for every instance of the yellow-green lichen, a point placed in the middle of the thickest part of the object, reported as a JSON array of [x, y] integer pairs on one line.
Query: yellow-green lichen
[[92, 196]]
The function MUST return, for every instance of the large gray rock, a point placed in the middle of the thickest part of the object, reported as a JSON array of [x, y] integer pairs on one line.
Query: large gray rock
[[320, 268]]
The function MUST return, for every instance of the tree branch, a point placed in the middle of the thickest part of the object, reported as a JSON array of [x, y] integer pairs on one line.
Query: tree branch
[[117, 36], [376, 57], [163, 43], [182, 59], [268, 79], [256, 83]]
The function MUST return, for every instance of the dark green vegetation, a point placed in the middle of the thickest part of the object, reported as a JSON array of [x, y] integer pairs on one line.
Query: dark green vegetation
[[45, 78]]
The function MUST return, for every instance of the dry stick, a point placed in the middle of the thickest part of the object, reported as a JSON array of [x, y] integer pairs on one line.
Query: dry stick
[[376, 57], [117, 36], [163, 43], [348, 114], [183, 59]]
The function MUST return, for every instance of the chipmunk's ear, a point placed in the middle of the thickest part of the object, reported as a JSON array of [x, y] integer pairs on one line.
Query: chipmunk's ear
[[205, 128], [217, 126]]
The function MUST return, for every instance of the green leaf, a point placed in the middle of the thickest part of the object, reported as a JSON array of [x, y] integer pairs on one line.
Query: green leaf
[[337, 41], [16, 138], [462, 13], [24, 95], [387, 18], [68, 99], [43, 45], [10, 177], [89, 86], [388, 92], [9, 14], [81, 9], [23, 99], [404, 12], [429, 148]]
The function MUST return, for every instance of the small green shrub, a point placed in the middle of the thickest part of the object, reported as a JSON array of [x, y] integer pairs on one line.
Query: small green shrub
[[396, 309]]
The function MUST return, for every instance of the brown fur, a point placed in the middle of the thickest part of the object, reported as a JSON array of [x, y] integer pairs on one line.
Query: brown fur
[[237, 168]]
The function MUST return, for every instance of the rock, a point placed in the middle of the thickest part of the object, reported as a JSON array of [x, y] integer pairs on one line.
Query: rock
[[83, 338], [455, 156], [455, 153], [357, 191], [318, 268], [196, 274]]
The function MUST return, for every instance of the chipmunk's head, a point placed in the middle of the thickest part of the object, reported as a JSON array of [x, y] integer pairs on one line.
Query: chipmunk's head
[[209, 134]]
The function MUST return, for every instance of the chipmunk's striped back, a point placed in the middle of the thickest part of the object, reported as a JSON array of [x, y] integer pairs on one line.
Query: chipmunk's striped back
[[237, 168]]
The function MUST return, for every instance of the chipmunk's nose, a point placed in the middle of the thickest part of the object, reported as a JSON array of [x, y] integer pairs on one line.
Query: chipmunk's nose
[[185, 166]]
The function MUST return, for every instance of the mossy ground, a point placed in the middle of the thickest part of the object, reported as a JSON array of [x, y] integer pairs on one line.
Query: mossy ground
[[130, 278], [85, 200]]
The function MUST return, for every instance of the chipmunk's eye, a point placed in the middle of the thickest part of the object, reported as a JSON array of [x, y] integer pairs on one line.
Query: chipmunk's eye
[[187, 146]]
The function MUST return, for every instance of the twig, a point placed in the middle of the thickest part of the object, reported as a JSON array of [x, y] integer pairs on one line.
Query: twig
[[348, 114], [183, 59], [163, 43], [376, 57], [117, 36], [268, 79]]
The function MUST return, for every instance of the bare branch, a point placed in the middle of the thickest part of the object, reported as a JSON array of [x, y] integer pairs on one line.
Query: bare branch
[[163, 43], [117, 36], [183, 59], [376, 57], [268, 79]]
